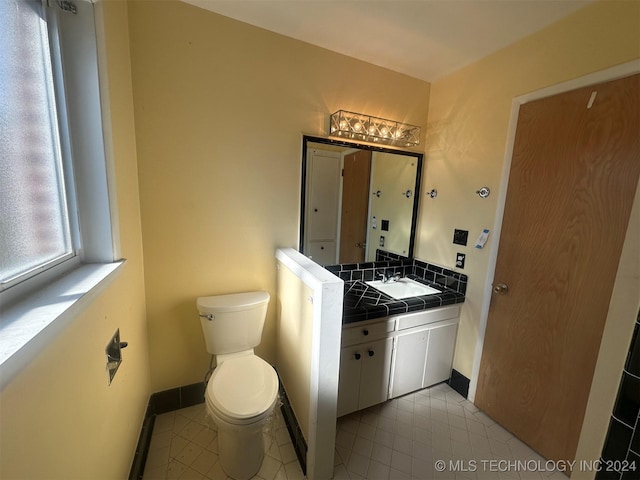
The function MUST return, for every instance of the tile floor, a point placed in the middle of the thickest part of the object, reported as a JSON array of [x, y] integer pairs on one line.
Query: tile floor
[[403, 438]]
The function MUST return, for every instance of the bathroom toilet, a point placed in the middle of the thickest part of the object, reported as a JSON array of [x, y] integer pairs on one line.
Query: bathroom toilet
[[243, 389]]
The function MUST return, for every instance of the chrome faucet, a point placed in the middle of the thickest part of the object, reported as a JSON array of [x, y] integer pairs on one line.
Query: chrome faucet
[[388, 277]]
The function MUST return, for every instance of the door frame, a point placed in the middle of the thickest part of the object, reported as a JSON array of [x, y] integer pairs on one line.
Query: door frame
[[612, 73]]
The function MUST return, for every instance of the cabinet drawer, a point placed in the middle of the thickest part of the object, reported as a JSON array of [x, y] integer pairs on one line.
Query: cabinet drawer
[[427, 316], [367, 332]]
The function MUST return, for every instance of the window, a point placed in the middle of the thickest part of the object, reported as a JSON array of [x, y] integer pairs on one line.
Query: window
[[36, 222], [57, 241]]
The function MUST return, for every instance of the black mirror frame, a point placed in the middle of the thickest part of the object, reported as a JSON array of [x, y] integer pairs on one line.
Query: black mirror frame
[[362, 146]]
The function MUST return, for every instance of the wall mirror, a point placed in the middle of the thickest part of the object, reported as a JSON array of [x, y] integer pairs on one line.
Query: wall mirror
[[355, 199]]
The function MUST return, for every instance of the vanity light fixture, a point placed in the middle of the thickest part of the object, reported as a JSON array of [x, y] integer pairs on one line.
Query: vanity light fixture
[[358, 126]]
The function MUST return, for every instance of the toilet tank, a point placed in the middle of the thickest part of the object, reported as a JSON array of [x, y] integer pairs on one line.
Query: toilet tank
[[232, 323]]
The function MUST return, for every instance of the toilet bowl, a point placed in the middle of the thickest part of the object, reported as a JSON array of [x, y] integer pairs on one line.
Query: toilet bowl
[[243, 389], [241, 396]]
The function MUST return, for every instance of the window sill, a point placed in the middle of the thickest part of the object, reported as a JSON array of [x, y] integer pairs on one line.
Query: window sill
[[27, 326]]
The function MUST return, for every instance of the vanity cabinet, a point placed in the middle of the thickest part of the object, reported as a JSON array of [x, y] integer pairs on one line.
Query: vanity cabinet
[[365, 366], [393, 356]]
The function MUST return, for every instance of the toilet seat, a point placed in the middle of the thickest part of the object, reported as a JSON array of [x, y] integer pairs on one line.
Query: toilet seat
[[242, 390]]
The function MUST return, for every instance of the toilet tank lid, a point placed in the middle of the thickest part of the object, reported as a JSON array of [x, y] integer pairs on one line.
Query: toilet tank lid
[[232, 302]]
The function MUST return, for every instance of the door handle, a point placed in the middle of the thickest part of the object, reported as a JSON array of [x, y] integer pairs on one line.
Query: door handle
[[500, 289], [361, 245]]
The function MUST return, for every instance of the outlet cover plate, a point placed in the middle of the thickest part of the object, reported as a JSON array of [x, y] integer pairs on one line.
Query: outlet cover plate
[[460, 237]]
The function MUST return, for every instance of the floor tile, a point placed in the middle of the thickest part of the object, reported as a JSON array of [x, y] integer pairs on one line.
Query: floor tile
[[404, 438]]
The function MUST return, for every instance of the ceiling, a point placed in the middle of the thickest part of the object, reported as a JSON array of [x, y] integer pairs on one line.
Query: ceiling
[[425, 39]]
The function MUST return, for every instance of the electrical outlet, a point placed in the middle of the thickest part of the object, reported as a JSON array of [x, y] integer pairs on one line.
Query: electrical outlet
[[460, 258]]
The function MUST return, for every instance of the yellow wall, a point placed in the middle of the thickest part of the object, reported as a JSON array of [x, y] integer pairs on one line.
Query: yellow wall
[[469, 115], [467, 134], [220, 109], [59, 418]]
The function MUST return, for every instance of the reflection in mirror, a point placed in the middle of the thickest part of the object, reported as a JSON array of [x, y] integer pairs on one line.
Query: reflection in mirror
[[357, 199]]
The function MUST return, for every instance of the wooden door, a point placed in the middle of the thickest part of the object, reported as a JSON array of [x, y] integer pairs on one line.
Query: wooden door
[[574, 173], [355, 205]]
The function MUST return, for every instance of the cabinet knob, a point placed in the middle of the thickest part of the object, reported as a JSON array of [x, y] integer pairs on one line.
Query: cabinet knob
[[357, 356], [371, 353], [365, 332]]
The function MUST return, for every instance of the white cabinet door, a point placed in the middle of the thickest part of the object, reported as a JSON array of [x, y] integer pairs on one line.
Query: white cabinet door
[[442, 341], [374, 378], [409, 362], [364, 375], [349, 380]]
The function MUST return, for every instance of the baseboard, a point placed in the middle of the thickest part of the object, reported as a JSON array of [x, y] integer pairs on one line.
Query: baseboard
[[299, 443], [142, 449], [159, 403], [459, 383]]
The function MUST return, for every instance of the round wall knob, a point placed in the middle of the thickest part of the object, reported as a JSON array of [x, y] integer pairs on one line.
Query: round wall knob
[[484, 192], [500, 289], [371, 353], [357, 356]]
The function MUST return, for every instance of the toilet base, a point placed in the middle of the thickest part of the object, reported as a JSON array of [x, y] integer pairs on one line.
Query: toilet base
[[241, 451]]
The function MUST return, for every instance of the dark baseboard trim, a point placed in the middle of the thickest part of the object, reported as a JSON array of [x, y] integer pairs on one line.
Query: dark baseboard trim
[[142, 449], [459, 383], [299, 444], [162, 402]]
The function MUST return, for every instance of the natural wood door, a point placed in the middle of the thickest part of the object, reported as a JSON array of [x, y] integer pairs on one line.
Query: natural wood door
[[574, 173], [355, 205]]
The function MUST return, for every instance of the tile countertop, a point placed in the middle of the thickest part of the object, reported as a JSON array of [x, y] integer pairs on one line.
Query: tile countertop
[[362, 302]]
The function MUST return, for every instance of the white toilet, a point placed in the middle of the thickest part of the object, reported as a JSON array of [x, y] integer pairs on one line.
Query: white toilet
[[243, 389]]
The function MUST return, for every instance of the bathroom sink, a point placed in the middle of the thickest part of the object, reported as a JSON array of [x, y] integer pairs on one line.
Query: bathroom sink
[[403, 288]]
